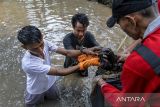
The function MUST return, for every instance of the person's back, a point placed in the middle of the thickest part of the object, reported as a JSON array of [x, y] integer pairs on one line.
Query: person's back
[[138, 65], [141, 72]]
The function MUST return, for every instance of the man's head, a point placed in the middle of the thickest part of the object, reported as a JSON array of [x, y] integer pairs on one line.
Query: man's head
[[133, 16], [31, 39], [80, 23]]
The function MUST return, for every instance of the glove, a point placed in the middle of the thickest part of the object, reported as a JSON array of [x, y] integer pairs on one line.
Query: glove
[[92, 51], [85, 64], [84, 57]]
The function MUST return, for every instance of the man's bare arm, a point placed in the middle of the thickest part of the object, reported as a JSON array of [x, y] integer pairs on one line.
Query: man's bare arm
[[63, 71]]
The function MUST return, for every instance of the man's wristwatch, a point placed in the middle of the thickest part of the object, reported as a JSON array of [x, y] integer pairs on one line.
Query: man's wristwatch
[[81, 49]]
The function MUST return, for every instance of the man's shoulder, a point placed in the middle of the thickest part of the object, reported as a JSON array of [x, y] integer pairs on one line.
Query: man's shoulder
[[69, 36], [89, 34], [29, 59], [26, 61], [47, 43], [136, 62], [30, 62], [26, 56]]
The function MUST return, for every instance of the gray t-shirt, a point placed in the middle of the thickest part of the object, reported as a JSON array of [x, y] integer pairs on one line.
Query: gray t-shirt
[[71, 42]]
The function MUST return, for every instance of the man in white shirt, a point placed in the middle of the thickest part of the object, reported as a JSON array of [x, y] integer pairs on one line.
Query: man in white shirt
[[36, 63]]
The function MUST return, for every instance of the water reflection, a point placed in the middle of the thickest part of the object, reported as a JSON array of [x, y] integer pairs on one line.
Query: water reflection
[[53, 18]]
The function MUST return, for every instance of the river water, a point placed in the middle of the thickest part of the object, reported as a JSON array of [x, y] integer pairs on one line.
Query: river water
[[53, 18]]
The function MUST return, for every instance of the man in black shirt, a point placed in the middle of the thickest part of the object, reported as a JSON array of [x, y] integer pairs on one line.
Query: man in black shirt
[[79, 38]]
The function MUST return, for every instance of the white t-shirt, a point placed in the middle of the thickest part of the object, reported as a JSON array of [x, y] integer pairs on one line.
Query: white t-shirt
[[36, 70]]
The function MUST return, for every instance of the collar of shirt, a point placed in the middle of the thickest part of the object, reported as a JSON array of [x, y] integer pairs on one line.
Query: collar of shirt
[[152, 27], [34, 57]]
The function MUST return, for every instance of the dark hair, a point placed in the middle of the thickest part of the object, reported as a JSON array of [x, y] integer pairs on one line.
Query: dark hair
[[81, 18], [29, 35]]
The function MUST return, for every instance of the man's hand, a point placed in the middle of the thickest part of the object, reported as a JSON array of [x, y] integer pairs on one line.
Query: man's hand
[[122, 57], [85, 64], [100, 80], [92, 51], [96, 49]]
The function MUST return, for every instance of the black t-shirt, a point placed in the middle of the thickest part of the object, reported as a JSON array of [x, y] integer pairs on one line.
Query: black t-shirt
[[71, 42]]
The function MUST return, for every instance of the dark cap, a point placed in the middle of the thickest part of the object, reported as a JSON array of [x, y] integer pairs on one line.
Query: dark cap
[[121, 8]]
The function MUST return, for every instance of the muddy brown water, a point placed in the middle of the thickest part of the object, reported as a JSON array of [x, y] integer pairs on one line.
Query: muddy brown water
[[53, 18]]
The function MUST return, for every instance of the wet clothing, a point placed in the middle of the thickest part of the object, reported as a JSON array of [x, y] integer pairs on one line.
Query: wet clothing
[[36, 70], [137, 75], [32, 99], [71, 42]]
